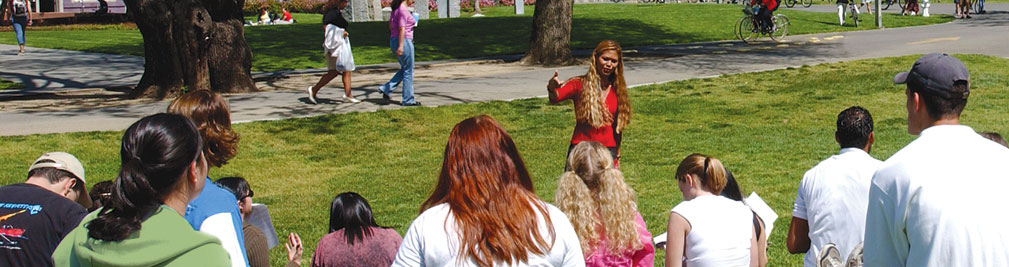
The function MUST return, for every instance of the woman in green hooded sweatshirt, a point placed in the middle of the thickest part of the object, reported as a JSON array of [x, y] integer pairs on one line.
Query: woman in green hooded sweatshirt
[[162, 169]]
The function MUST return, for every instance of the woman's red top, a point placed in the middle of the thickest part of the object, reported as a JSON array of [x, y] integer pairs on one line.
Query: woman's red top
[[605, 135]]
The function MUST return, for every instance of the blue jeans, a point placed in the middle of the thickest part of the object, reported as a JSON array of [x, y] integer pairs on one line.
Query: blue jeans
[[405, 73], [19, 28]]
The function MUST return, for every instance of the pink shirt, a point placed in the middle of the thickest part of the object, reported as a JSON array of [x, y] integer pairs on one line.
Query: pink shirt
[[401, 17], [379, 249], [643, 257]]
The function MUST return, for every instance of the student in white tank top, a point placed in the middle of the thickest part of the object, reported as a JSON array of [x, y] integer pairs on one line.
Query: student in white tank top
[[707, 229]]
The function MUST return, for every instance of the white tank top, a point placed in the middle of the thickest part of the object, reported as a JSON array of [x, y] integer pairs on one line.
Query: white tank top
[[720, 230]]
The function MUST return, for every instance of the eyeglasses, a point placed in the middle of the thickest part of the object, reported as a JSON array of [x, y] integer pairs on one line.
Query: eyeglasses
[[250, 194]]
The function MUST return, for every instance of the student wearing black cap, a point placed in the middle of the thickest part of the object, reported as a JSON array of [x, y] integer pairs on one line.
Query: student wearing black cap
[[931, 203]]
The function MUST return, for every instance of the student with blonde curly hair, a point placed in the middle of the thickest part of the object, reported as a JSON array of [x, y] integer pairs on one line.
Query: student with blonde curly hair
[[602, 107], [603, 210], [707, 229]]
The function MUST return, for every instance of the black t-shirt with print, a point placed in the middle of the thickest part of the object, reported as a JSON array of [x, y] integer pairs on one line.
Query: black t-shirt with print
[[33, 221]]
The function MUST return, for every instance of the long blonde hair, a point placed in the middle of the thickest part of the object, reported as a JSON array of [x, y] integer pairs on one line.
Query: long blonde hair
[[591, 107], [593, 193]]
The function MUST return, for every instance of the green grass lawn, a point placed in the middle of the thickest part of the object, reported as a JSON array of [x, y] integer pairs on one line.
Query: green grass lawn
[[299, 46], [767, 127], [5, 84]]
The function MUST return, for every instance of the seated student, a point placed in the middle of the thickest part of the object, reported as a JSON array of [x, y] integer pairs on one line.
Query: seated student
[[483, 197], [162, 169], [255, 240], [215, 210], [699, 237], [286, 15], [38, 213], [733, 192], [100, 193], [997, 138], [832, 198], [603, 210], [354, 238], [264, 16]]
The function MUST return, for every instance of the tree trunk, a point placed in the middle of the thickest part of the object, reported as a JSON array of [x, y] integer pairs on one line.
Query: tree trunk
[[192, 45], [551, 33]]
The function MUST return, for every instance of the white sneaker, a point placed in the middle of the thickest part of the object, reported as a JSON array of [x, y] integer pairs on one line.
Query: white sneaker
[[351, 99], [829, 257], [311, 98]]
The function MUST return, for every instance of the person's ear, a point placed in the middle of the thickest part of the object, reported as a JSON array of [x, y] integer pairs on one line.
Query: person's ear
[[690, 180], [69, 186], [872, 139], [194, 173]]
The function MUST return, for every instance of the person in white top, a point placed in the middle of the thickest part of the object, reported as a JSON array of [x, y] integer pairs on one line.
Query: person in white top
[[934, 202], [707, 229], [484, 211], [833, 196]]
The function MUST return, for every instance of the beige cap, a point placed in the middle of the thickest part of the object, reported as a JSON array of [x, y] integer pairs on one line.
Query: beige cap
[[66, 162]]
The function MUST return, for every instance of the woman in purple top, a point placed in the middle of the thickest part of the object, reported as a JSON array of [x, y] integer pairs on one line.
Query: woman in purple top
[[401, 24], [354, 238]]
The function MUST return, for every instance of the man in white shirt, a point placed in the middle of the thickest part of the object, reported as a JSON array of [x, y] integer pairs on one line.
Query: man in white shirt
[[934, 202], [832, 199]]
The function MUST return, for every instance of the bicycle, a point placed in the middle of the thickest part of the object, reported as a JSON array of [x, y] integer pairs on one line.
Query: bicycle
[[805, 3], [887, 3], [853, 11], [748, 29]]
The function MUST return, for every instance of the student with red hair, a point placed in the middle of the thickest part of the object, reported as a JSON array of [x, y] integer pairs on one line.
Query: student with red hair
[[484, 210]]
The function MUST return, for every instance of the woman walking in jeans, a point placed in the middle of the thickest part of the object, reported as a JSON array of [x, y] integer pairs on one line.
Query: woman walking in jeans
[[21, 17], [401, 24]]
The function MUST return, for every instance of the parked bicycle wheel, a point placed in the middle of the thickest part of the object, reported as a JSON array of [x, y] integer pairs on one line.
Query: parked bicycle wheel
[[780, 29], [807, 3], [790, 3]]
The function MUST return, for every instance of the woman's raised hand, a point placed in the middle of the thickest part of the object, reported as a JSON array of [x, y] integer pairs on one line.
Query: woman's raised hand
[[554, 82]]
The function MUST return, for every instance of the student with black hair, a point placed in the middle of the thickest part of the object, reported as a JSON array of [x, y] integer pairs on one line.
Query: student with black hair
[[832, 197], [354, 238], [163, 168]]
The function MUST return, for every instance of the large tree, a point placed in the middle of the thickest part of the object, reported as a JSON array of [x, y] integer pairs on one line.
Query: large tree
[[551, 33], [196, 44]]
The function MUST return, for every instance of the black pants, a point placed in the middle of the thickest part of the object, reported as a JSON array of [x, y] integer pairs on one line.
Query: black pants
[[765, 18]]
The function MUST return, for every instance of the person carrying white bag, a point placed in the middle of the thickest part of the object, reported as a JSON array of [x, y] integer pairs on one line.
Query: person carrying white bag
[[339, 59]]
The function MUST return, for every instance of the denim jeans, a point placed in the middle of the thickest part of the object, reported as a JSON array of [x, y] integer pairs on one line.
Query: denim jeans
[[405, 73], [19, 28]]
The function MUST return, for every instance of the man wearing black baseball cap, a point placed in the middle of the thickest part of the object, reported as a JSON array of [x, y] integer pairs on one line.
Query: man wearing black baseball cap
[[933, 203], [37, 214]]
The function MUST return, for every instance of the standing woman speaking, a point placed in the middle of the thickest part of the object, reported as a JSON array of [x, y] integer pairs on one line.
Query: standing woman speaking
[[401, 24], [602, 107], [21, 17]]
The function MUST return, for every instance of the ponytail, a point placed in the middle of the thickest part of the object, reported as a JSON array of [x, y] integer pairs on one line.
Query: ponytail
[[156, 152], [714, 176], [618, 206], [708, 170]]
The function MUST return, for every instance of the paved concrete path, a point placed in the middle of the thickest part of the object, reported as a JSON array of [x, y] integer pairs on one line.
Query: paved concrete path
[[985, 34]]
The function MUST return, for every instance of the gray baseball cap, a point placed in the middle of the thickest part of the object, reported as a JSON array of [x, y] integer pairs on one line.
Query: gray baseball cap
[[935, 74]]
